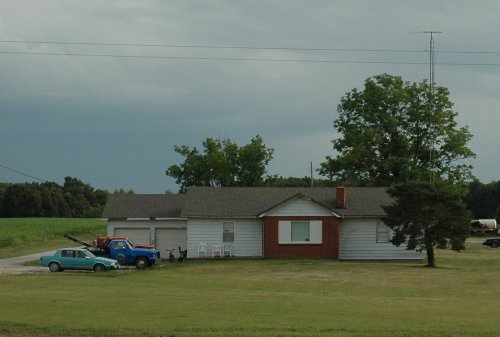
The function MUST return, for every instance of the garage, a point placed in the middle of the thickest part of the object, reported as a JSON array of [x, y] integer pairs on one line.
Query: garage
[[138, 235], [171, 238]]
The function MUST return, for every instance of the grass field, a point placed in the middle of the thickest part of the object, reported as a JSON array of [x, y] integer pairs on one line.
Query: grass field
[[20, 236], [262, 298]]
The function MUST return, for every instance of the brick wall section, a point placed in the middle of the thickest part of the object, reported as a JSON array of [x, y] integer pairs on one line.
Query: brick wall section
[[329, 249]]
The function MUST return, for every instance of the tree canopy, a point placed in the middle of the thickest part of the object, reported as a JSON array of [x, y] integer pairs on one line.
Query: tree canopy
[[402, 134], [49, 199], [395, 131], [222, 163]]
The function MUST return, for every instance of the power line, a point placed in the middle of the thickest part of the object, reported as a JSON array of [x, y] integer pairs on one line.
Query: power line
[[194, 46], [242, 59], [205, 58], [304, 60], [21, 173], [211, 46]]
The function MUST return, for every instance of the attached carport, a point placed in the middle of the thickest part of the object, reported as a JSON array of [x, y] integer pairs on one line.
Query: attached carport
[[148, 219], [164, 234]]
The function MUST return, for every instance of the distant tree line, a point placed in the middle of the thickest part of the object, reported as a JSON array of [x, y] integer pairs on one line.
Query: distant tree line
[[77, 199], [483, 200], [74, 199]]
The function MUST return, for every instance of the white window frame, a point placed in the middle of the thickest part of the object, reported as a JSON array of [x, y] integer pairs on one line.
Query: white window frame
[[383, 233], [315, 232]]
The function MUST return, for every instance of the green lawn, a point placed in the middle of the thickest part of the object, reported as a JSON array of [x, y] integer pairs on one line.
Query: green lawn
[[22, 236], [262, 298]]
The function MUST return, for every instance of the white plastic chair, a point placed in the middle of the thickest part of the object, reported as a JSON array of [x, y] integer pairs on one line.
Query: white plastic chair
[[202, 248], [217, 250], [226, 250]]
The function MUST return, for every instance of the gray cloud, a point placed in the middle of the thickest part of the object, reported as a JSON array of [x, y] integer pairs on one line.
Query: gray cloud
[[113, 121]]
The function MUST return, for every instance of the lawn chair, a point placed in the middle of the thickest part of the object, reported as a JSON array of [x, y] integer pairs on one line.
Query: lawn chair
[[226, 250], [202, 248], [217, 250]]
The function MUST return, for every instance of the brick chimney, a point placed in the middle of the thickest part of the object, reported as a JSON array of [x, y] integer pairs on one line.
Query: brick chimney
[[340, 199]]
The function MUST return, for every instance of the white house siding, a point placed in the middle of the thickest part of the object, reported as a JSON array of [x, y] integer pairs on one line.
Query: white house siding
[[141, 230], [299, 207], [358, 241], [247, 236], [170, 238]]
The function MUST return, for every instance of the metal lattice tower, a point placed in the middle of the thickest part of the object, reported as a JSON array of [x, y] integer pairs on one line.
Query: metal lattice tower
[[432, 137]]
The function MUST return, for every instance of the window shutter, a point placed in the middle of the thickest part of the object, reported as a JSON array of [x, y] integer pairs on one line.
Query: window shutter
[[316, 231], [284, 232]]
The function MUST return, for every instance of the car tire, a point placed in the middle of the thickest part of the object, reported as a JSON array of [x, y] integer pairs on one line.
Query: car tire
[[99, 268], [494, 245], [141, 262], [54, 267]]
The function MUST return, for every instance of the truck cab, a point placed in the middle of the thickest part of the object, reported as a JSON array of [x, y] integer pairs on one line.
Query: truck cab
[[126, 253]]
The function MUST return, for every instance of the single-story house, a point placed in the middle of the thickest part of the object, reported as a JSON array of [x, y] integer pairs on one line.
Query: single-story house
[[268, 222]]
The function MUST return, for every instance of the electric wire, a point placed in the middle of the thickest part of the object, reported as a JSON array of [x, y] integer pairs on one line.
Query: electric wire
[[211, 46], [304, 60], [152, 45], [208, 58], [21, 173]]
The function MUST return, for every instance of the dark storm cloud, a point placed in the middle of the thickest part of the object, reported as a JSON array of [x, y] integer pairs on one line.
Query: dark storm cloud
[[113, 121]]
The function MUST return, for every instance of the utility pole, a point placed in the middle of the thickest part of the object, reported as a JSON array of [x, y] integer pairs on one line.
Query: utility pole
[[312, 177], [432, 64]]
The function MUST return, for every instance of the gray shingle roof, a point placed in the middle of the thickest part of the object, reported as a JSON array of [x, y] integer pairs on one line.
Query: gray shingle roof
[[252, 201], [242, 202], [120, 206]]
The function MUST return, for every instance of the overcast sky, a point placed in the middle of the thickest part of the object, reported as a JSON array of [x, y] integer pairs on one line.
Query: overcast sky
[[113, 121]]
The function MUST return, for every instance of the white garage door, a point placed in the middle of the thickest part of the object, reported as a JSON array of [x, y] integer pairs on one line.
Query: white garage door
[[138, 235], [171, 238]]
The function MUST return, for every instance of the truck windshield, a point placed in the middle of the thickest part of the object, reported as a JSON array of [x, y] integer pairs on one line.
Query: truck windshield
[[131, 243]]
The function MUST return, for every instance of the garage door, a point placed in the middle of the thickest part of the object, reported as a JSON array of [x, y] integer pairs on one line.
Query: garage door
[[138, 235], [171, 238]]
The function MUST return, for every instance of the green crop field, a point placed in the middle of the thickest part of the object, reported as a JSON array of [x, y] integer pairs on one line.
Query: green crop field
[[21, 236], [217, 298]]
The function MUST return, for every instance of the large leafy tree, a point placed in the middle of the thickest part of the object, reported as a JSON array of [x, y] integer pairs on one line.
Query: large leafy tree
[[425, 215], [400, 133], [395, 131], [222, 163]]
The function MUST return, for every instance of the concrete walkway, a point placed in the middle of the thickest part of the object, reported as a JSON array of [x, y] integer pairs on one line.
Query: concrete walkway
[[14, 265]]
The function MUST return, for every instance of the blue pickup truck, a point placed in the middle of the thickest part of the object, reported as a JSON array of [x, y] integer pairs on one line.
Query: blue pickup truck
[[126, 254], [124, 251]]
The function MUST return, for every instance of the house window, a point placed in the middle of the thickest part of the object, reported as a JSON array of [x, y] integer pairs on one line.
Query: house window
[[300, 232], [383, 233], [228, 232]]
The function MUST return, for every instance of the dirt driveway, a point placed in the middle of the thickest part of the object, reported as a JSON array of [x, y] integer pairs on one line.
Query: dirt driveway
[[14, 265]]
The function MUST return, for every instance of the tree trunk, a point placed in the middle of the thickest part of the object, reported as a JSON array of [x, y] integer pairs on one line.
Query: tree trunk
[[431, 261]]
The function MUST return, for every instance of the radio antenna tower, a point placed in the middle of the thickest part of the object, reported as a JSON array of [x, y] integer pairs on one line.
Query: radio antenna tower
[[432, 56], [432, 64]]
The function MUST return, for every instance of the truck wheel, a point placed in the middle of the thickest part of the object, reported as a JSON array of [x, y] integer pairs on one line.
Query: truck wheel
[[99, 268], [54, 267], [141, 262]]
